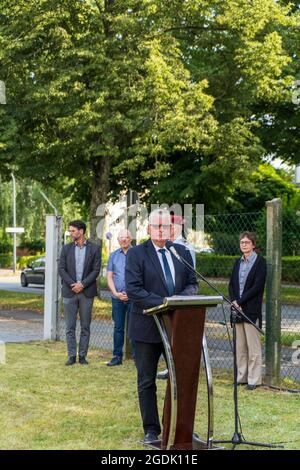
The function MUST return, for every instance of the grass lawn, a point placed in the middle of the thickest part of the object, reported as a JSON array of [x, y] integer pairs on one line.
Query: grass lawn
[[19, 301], [46, 405], [102, 308]]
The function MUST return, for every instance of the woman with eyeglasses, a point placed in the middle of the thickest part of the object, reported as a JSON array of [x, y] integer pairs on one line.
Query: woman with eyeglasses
[[246, 289]]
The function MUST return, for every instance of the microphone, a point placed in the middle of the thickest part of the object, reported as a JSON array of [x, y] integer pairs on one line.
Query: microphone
[[170, 247]]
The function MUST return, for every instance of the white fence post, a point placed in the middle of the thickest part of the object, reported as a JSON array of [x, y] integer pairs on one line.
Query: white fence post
[[51, 296]]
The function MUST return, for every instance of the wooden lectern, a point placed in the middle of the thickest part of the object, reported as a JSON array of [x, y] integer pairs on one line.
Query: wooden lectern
[[180, 320]]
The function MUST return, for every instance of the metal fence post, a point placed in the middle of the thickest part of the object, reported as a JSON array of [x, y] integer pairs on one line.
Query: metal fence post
[[273, 291], [51, 296]]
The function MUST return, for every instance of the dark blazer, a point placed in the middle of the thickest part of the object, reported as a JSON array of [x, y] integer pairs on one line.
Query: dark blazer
[[67, 269], [252, 297], [146, 287]]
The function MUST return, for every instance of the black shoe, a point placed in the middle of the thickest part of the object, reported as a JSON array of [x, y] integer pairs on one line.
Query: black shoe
[[164, 375], [71, 361], [83, 361], [150, 436], [240, 383], [116, 361], [251, 387]]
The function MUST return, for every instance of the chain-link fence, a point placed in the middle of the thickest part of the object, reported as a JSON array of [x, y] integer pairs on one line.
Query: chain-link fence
[[216, 263], [101, 326], [222, 236], [290, 298]]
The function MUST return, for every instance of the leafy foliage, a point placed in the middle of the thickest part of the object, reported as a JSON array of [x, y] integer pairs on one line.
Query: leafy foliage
[[177, 100]]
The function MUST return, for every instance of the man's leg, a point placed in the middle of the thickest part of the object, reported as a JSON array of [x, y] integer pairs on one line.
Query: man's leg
[[85, 312], [146, 360], [254, 355], [119, 310], [132, 342], [241, 354], [70, 311]]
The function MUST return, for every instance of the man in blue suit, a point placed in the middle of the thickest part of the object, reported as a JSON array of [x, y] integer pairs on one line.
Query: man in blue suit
[[151, 274]]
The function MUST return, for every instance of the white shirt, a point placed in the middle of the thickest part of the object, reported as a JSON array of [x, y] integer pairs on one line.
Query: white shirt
[[169, 259]]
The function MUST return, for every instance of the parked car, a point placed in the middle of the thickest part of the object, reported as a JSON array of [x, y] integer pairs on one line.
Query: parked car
[[207, 251], [34, 273]]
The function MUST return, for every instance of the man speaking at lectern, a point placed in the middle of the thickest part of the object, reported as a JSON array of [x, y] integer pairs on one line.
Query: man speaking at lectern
[[151, 274]]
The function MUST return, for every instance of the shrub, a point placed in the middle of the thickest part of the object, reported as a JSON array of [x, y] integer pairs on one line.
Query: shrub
[[33, 246], [6, 260], [221, 266]]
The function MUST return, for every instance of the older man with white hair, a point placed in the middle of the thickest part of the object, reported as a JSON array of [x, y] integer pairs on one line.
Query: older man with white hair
[[153, 273], [115, 274]]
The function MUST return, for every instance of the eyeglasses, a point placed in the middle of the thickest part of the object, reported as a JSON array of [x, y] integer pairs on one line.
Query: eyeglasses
[[162, 227], [245, 242]]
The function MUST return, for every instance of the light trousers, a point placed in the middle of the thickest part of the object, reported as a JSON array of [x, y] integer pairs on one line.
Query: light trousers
[[249, 354]]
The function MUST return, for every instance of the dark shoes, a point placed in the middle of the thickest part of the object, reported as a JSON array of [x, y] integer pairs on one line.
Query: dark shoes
[[83, 361], [164, 375], [149, 437], [248, 387], [251, 387], [71, 361], [116, 361]]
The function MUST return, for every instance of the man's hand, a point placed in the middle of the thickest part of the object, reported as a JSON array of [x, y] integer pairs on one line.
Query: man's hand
[[77, 287], [122, 296]]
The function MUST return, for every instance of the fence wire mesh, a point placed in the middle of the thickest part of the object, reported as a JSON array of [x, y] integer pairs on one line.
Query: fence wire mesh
[[222, 236], [290, 299], [216, 262], [101, 326]]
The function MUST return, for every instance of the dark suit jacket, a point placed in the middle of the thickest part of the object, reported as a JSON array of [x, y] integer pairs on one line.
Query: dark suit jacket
[[252, 297], [67, 269], [146, 287]]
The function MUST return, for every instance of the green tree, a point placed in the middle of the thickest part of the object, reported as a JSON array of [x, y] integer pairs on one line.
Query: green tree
[[240, 49], [264, 184], [89, 86], [168, 98], [31, 210]]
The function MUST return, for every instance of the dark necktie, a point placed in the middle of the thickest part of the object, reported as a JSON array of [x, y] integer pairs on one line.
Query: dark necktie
[[168, 275]]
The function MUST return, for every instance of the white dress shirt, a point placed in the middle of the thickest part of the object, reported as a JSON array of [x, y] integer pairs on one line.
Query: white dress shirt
[[169, 259]]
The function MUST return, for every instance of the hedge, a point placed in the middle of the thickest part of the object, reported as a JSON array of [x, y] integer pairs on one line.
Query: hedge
[[221, 266], [22, 261], [209, 265]]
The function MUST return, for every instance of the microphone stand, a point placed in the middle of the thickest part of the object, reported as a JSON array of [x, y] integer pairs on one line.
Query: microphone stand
[[237, 437]]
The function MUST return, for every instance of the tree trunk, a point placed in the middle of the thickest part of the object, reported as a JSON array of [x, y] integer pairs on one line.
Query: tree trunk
[[100, 189]]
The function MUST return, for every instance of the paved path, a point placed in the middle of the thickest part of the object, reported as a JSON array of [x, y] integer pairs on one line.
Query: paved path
[[11, 282], [21, 326], [24, 326], [8, 281]]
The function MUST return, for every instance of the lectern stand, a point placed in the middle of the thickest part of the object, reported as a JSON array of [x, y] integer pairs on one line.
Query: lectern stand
[[180, 321]]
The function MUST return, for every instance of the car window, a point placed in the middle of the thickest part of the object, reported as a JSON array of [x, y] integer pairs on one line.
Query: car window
[[35, 264], [38, 263]]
